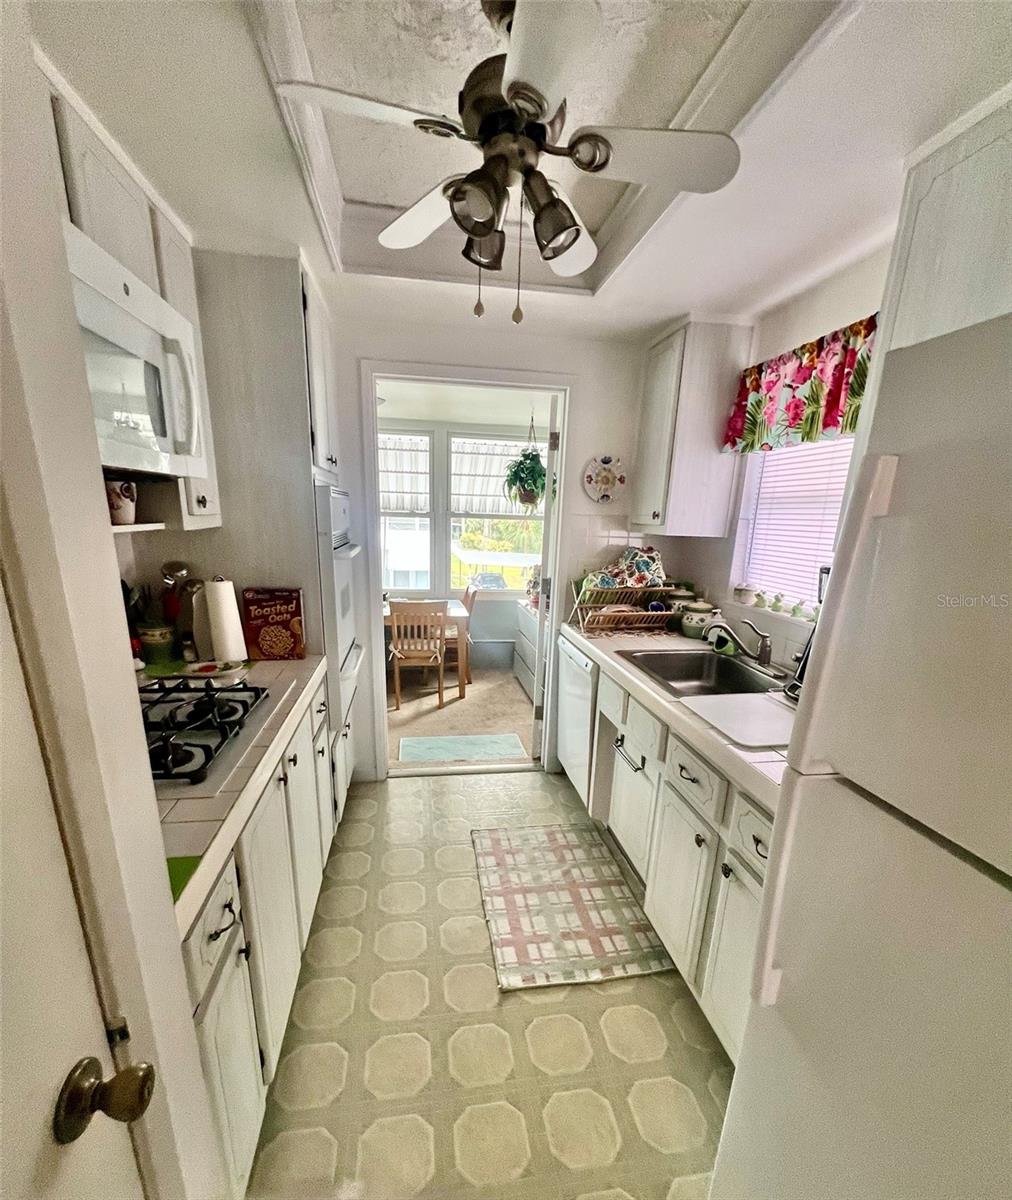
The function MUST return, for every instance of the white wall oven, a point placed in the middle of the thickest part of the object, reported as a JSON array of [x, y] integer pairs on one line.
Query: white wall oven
[[141, 366]]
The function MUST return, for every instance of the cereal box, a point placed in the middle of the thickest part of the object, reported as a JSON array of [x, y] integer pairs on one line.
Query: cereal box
[[272, 622]]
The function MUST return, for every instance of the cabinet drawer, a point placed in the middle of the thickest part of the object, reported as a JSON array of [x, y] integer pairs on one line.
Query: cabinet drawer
[[527, 622], [611, 700], [524, 675], [750, 833], [694, 779], [318, 707], [644, 730], [524, 650], [206, 940]]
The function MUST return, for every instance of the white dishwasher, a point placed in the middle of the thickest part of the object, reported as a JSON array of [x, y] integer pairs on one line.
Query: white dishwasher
[[577, 698]]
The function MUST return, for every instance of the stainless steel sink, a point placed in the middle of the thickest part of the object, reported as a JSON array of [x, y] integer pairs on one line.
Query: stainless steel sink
[[701, 672]]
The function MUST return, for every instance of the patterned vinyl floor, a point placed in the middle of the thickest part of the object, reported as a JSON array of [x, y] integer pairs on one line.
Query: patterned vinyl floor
[[406, 1073]]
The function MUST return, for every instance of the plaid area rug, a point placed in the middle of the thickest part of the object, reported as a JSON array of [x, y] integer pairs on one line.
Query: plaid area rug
[[559, 910]]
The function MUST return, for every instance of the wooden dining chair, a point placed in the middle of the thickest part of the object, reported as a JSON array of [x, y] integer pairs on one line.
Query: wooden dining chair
[[453, 634], [417, 639]]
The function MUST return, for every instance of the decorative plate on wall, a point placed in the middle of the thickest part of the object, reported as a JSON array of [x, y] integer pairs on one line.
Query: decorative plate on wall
[[603, 478]]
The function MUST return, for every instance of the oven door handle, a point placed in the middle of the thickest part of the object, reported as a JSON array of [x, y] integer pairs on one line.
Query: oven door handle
[[175, 347]]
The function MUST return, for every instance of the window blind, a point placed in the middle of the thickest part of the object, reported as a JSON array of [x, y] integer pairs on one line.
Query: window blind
[[477, 472], [797, 510], [404, 466]]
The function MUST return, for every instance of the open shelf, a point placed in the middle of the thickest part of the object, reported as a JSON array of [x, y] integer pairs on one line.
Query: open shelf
[[140, 527]]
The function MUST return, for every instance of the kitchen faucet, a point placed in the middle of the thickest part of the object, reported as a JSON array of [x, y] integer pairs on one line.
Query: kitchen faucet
[[764, 652]]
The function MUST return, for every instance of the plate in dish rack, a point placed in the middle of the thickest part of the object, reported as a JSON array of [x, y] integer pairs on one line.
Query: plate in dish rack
[[603, 478]]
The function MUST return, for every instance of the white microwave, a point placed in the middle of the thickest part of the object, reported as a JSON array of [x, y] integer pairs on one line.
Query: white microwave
[[141, 366]]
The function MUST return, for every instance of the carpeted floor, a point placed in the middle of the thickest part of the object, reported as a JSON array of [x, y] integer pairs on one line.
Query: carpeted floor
[[495, 703], [406, 1073]]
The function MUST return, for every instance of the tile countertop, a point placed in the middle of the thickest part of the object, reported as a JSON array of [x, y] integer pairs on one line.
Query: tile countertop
[[204, 820], [756, 771]]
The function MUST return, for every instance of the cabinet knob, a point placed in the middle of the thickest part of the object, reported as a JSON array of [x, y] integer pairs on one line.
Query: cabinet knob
[[321, 707], [202, 501], [322, 751], [699, 840], [655, 515], [282, 779], [725, 870], [293, 760], [246, 951]]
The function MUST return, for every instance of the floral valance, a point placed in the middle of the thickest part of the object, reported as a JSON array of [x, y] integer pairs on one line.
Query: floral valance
[[808, 394]]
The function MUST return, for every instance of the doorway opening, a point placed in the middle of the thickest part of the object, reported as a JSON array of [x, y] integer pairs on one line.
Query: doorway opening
[[461, 563]]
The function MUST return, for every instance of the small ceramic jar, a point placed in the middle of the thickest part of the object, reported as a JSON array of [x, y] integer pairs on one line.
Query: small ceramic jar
[[743, 594], [696, 615]]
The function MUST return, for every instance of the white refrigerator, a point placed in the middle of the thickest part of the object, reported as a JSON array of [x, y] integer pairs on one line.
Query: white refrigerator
[[877, 1057]]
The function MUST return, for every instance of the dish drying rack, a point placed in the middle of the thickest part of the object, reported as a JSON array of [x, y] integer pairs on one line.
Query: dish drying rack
[[589, 602]]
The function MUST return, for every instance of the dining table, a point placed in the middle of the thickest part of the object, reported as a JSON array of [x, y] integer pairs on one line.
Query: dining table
[[457, 617]]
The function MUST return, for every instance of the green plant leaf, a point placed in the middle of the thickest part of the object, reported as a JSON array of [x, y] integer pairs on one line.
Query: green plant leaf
[[811, 422]]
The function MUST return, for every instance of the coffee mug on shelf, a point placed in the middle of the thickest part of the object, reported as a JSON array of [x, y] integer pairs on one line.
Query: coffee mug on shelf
[[121, 496]]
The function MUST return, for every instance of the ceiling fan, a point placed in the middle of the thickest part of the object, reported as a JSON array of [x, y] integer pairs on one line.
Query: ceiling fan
[[513, 108]]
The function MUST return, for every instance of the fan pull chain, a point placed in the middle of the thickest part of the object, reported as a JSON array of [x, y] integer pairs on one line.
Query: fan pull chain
[[479, 308], [518, 312]]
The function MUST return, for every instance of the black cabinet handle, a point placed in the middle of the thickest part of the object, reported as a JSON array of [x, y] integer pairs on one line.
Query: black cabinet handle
[[758, 844], [293, 759], [618, 745], [202, 501], [246, 951], [217, 933], [322, 751], [725, 870], [655, 515], [282, 779], [321, 707], [699, 840], [685, 774]]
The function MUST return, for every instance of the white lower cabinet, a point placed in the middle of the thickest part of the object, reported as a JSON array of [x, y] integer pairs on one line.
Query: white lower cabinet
[[728, 976], [230, 1055], [633, 794], [326, 808], [270, 917], [299, 773], [678, 882]]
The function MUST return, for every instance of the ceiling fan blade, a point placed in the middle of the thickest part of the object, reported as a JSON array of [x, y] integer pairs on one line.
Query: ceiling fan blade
[[416, 223], [583, 252], [352, 105], [691, 161], [548, 39]]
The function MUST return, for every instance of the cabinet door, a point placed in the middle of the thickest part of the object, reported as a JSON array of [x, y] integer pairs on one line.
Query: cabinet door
[[633, 791], [230, 1055], [326, 807], [303, 822], [178, 286], [270, 918], [728, 977], [656, 433], [955, 260], [338, 766], [320, 372], [105, 202], [678, 882]]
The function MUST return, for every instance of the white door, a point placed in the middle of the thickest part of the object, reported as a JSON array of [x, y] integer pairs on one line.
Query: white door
[[227, 1033], [633, 791], [50, 1011], [908, 689], [542, 645], [678, 882], [324, 790], [299, 769], [875, 1058], [657, 431], [731, 956], [270, 917]]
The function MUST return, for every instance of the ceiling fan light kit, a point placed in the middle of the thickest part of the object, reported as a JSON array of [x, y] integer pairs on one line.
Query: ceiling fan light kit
[[513, 108]]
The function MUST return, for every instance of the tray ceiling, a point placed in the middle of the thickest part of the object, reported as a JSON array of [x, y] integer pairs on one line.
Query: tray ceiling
[[418, 54]]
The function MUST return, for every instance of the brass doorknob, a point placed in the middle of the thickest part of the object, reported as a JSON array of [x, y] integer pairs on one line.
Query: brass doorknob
[[124, 1097]]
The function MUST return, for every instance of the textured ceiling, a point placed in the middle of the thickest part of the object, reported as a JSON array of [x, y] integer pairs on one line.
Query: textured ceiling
[[418, 52]]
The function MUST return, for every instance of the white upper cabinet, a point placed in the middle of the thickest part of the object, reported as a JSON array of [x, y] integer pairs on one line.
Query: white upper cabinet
[[322, 379], [105, 202], [954, 258], [682, 481]]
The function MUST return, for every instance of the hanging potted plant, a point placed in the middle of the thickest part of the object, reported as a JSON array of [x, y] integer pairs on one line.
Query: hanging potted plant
[[525, 480]]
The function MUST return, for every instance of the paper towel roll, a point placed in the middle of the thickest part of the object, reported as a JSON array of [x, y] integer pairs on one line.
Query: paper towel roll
[[227, 641]]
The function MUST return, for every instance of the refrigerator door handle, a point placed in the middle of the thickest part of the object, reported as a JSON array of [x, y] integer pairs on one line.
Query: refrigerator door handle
[[767, 971]]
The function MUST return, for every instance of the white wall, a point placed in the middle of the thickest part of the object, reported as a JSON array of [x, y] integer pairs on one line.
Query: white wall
[[846, 296], [603, 414]]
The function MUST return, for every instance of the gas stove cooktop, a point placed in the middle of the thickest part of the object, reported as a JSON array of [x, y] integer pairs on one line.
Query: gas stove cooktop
[[189, 722]]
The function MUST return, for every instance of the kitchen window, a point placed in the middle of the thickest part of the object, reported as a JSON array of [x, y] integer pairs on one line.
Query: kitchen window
[[794, 511], [405, 484]]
